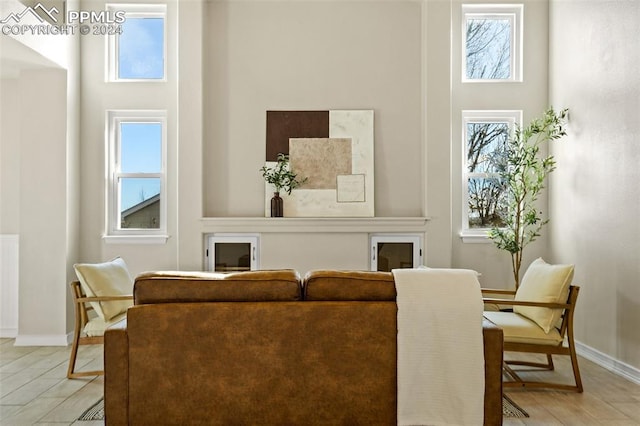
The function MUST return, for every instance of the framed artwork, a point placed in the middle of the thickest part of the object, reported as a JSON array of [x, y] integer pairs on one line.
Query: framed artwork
[[334, 151]]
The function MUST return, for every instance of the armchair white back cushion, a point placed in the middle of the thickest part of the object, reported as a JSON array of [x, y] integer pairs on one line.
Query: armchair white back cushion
[[543, 282], [106, 279]]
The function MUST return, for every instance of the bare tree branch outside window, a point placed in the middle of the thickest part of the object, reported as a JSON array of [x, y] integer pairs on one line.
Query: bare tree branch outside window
[[486, 158], [488, 48]]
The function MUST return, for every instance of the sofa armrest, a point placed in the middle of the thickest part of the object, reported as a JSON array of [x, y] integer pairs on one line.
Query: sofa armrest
[[493, 355], [116, 367]]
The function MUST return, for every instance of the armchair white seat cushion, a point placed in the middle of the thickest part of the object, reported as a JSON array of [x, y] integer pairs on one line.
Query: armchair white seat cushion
[[519, 329], [546, 283], [97, 326]]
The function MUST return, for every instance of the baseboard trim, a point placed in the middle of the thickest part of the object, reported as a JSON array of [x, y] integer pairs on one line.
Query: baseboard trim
[[620, 368], [41, 340], [8, 333]]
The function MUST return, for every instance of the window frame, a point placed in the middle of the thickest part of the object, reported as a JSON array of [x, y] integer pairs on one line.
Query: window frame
[[114, 233], [512, 118], [513, 12], [113, 45]]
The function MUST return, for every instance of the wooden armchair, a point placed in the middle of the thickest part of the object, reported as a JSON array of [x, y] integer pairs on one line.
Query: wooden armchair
[[89, 328], [521, 334], [540, 321]]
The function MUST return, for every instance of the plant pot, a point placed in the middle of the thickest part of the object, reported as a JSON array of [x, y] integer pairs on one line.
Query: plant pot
[[277, 205]]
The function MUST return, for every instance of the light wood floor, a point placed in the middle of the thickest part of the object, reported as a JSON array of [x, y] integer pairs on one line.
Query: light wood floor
[[34, 390], [608, 399]]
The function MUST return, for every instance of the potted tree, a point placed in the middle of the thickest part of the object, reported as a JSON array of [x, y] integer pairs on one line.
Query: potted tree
[[523, 175], [282, 178]]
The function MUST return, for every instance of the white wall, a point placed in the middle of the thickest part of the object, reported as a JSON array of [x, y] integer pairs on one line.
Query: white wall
[[43, 210], [436, 148], [39, 180], [310, 55], [595, 197], [9, 205], [304, 252], [190, 135], [9, 156], [9, 284]]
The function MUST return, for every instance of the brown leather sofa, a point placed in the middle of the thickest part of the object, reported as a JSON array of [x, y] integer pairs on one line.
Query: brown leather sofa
[[264, 347]]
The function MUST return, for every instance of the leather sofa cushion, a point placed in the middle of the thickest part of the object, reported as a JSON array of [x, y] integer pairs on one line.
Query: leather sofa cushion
[[326, 285], [249, 286]]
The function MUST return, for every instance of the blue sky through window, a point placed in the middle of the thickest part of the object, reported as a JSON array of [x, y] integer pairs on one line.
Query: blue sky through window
[[141, 49], [140, 152], [141, 147]]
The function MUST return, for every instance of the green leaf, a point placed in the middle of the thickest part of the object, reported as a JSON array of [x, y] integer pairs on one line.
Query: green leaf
[[280, 176]]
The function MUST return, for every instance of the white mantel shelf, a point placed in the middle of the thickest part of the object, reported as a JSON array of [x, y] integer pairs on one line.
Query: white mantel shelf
[[310, 225]]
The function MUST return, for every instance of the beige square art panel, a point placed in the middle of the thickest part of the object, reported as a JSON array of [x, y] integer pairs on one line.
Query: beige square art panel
[[320, 160]]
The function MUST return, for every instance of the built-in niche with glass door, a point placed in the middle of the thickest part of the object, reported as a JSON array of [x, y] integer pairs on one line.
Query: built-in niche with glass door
[[231, 252], [395, 251]]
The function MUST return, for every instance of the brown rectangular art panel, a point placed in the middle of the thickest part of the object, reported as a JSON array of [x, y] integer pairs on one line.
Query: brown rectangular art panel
[[283, 125]]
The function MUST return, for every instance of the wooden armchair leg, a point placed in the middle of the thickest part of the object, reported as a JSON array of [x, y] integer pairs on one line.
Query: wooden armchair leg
[[538, 365], [550, 362], [82, 305], [71, 373], [72, 357], [511, 372], [576, 370]]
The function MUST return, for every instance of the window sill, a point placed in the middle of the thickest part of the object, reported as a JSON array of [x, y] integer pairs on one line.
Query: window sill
[[135, 239], [137, 80], [480, 237], [490, 81]]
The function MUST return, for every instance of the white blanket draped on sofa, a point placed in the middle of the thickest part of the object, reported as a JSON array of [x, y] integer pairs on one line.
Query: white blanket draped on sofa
[[440, 347]]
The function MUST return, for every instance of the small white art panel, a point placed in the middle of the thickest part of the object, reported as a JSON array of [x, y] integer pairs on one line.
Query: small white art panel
[[351, 188], [339, 169]]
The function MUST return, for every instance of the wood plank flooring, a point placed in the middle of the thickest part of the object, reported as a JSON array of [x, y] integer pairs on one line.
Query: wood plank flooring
[[608, 399], [34, 390]]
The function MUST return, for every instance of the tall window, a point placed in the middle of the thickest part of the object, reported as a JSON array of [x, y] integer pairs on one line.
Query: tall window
[[485, 134], [137, 183], [492, 42], [138, 51]]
